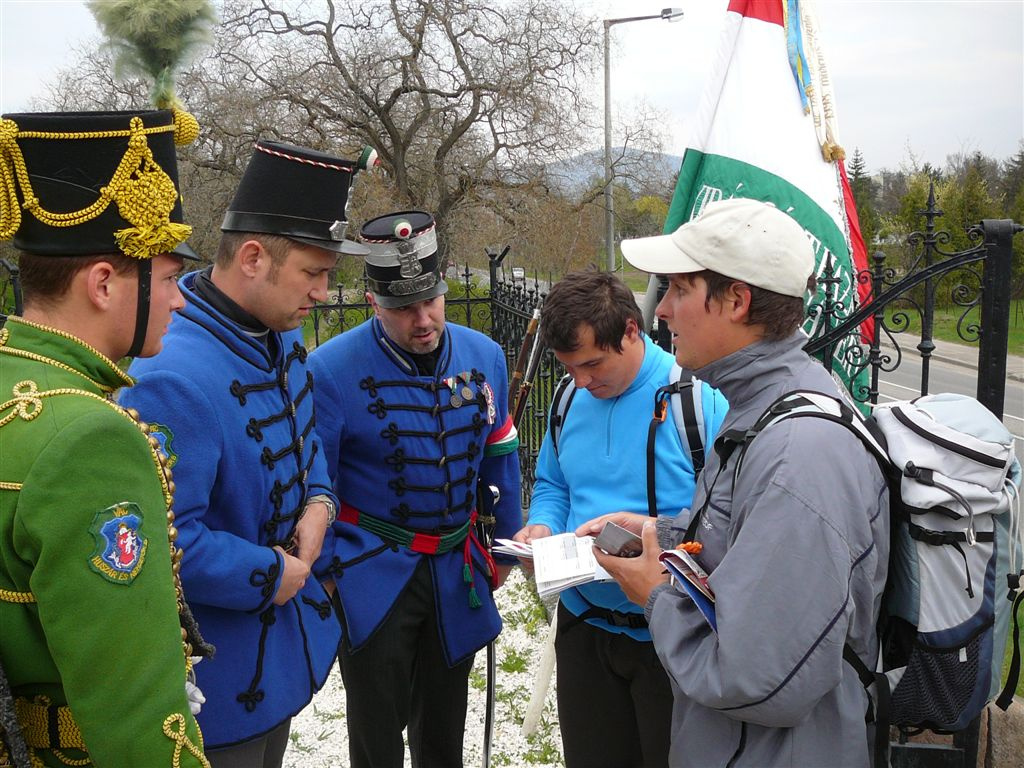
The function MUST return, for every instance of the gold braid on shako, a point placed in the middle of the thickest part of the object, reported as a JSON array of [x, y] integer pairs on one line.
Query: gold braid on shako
[[144, 194]]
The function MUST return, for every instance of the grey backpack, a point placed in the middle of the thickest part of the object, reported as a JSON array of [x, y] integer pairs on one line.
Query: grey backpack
[[955, 560]]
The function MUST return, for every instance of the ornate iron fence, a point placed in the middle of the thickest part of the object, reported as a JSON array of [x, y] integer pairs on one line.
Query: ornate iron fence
[[467, 303], [10, 290], [902, 300], [512, 304]]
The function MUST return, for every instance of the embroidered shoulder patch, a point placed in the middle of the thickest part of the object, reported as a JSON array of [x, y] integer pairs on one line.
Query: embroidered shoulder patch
[[164, 436], [120, 545]]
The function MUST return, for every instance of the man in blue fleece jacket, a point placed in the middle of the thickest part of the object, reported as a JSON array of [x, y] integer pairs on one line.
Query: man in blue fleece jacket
[[609, 679]]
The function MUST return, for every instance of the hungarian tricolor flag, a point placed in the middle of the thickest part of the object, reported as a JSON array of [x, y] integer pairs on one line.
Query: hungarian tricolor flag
[[765, 129]]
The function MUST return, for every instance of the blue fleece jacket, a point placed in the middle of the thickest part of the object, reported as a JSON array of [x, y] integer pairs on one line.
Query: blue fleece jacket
[[601, 466]]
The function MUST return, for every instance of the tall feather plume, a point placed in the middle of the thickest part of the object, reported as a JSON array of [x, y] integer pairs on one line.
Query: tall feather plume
[[154, 38]]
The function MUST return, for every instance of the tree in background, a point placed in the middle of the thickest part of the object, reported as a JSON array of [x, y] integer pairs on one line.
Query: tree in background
[[1011, 190], [863, 188], [642, 216], [466, 102], [470, 105], [965, 199]]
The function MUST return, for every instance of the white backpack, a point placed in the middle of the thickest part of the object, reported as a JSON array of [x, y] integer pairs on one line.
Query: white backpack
[[955, 559]]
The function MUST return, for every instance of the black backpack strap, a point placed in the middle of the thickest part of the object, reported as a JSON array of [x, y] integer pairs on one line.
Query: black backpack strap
[[879, 711], [615, 618], [693, 418], [1016, 597], [660, 411], [689, 421], [726, 444], [565, 391]]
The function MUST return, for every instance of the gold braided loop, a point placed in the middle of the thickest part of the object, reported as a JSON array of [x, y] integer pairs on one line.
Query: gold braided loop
[[10, 596], [83, 761], [10, 155], [144, 193], [26, 404], [181, 740]]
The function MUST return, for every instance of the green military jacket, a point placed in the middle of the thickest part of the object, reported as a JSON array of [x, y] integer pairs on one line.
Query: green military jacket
[[88, 602]]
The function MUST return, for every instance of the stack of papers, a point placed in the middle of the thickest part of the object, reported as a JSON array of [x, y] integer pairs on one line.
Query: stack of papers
[[559, 562], [689, 577]]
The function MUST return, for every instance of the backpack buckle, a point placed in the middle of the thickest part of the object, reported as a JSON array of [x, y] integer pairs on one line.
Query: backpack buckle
[[661, 402], [660, 410]]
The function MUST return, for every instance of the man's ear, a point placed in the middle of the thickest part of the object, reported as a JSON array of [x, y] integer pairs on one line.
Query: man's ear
[[373, 303], [250, 256], [101, 284], [736, 301], [632, 329]]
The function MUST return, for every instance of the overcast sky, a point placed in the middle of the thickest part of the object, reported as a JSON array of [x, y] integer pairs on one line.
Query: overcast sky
[[932, 77]]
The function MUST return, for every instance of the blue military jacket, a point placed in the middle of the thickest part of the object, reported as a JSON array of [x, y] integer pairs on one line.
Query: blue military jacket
[[409, 449], [236, 420]]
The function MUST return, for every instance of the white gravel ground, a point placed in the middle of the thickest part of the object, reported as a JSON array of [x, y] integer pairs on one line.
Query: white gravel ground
[[319, 738]]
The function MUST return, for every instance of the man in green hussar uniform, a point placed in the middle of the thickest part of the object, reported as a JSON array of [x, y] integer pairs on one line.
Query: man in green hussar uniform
[[91, 640]]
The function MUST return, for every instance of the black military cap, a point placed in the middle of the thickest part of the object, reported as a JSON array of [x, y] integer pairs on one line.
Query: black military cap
[[295, 192], [402, 266], [94, 182]]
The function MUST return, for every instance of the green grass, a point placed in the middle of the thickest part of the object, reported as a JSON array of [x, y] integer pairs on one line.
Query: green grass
[[1009, 653], [476, 680], [635, 279], [947, 318], [513, 661]]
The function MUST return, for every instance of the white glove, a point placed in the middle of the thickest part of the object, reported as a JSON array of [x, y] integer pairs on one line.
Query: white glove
[[192, 693], [195, 697]]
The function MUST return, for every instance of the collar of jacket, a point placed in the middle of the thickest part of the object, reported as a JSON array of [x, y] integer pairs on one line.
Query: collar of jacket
[[744, 374], [228, 332], [62, 350]]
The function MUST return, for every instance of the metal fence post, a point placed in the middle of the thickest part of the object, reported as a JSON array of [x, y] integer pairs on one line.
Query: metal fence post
[[995, 312]]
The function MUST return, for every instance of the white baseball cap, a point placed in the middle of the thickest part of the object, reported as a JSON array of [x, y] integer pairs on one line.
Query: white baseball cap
[[743, 239]]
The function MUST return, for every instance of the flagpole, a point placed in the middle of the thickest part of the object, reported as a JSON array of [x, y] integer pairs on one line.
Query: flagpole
[[609, 211], [667, 14]]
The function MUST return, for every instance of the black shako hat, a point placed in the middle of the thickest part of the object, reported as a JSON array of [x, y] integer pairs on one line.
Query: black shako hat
[[402, 266], [295, 192], [92, 183]]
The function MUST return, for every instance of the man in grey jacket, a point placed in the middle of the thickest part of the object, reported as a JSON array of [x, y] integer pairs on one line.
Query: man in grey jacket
[[796, 547]]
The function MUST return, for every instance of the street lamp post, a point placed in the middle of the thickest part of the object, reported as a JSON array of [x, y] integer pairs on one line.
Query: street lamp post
[[666, 14]]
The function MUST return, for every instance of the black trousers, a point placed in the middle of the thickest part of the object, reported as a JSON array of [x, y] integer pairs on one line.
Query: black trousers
[[614, 698], [267, 751], [400, 678]]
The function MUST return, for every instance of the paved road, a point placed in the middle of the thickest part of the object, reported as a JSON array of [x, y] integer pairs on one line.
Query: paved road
[[953, 368]]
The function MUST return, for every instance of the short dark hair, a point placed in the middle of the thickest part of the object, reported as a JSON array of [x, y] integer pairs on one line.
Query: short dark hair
[[276, 245], [779, 315], [599, 299], [46, 279]]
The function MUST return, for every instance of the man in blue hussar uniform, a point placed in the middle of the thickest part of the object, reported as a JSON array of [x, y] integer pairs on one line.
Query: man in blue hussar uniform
[[413, 415], [231, 400]]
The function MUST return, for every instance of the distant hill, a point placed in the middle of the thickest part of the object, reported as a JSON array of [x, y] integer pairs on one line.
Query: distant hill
[[655, 169]]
